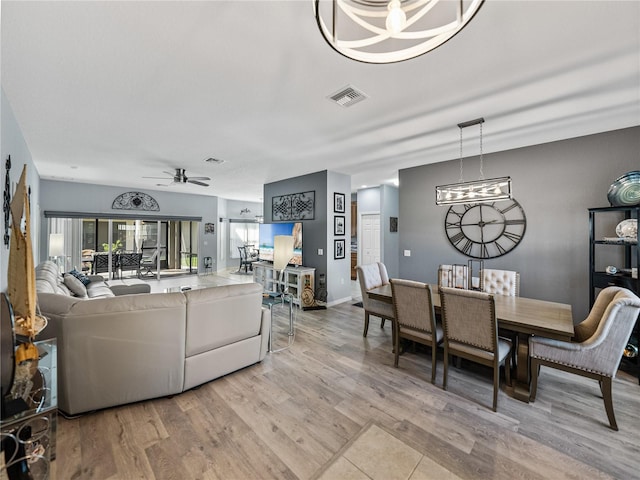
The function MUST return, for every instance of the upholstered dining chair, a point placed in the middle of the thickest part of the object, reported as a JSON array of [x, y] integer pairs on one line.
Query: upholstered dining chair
[[370, 276], [471, 332], [501, 282], [597, 351], [415, 318]]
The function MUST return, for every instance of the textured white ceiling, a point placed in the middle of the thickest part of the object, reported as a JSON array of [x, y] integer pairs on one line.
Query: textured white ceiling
[[110, 92]]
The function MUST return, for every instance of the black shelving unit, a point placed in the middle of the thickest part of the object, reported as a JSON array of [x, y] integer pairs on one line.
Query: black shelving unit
[[599, 278]]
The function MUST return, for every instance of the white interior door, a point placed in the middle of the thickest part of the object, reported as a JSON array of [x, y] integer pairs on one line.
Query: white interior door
[[370, 235]]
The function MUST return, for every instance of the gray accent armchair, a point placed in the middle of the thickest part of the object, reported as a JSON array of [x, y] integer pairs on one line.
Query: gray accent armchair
[[601, 339]]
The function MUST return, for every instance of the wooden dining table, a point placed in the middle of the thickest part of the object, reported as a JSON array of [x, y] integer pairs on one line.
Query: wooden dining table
[[524, 316]]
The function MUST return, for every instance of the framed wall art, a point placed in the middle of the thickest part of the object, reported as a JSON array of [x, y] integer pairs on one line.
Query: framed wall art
[[338, 225], [338, 249], [293, 206], [393, 224], [338, 202]]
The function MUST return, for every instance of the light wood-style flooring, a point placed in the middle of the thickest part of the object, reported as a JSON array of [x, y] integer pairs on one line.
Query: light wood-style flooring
[[299, 413]]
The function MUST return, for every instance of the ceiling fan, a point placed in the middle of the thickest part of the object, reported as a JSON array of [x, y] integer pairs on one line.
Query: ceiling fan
[[180, 177]]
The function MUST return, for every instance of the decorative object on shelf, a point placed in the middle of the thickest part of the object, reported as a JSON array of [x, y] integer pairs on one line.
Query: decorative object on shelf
[[630, 351], [321, 292], [625, 191], [6, 203], [338, 249], [388, 31], [484, 230], [338, 225], [481, 190], [475, 268], [338, 202], [627, 228], [611, 270], [135, 201], [294, 206]]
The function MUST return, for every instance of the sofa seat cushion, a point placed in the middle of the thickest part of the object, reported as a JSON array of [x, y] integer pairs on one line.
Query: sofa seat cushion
[[128, 287], [99, 290]]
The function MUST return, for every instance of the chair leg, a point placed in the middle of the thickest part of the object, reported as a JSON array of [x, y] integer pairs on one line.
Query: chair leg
[[434, 361], [608, 401], [366, 324], [444, 372], [496, 384], [535, 371], [396, 349]]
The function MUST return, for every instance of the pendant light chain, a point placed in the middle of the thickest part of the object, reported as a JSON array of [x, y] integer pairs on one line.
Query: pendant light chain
[[461, 176], [481, 158]]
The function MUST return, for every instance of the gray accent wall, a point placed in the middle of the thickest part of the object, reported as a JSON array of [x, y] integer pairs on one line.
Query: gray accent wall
[[317, 234], [554, 182]]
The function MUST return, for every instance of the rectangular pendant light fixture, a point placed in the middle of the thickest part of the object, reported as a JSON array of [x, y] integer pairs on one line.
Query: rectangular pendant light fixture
[[477, 191], [486, 190]]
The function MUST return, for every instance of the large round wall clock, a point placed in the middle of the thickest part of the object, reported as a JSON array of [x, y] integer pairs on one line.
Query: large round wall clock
[[485, 230]]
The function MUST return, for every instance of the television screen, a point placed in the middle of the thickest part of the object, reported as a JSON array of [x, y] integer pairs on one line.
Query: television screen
[[269, 230]]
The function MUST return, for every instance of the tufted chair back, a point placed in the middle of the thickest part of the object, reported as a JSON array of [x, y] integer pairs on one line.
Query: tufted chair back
[[500, 282]]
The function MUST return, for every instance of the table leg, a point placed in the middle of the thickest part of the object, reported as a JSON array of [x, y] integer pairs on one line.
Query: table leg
[[522, 386]]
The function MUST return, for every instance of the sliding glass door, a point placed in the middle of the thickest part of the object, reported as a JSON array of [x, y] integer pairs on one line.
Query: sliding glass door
[[121, 247]]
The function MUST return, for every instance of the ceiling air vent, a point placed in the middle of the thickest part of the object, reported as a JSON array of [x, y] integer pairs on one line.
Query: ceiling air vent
[[347, 96]]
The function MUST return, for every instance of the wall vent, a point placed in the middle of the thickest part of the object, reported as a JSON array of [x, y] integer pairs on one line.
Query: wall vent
[[347, 96]]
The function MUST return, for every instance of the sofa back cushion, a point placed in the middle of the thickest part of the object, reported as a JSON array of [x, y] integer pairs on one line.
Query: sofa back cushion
[[222, 315], [49, 279]]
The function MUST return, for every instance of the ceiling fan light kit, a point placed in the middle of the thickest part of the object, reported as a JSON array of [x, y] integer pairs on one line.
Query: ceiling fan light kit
[[388, 31]]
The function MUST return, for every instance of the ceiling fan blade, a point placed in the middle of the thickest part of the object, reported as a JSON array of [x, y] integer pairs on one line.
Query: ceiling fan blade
[[171, 174], [199, 178], [196, 182], [158, 178]]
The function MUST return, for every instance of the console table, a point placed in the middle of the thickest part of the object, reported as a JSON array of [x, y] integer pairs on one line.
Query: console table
[[294, 282]]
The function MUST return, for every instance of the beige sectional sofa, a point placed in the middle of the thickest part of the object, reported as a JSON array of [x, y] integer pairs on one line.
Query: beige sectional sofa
[[115, 350]]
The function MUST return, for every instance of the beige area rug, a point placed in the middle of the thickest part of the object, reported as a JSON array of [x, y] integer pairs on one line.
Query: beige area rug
[[376, 454]]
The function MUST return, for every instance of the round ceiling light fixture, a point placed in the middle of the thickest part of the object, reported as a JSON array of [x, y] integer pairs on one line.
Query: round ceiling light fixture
[[388, 31]]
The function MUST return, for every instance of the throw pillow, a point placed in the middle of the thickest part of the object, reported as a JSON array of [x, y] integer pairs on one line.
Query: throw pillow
[[75, 285], [80, 276]]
